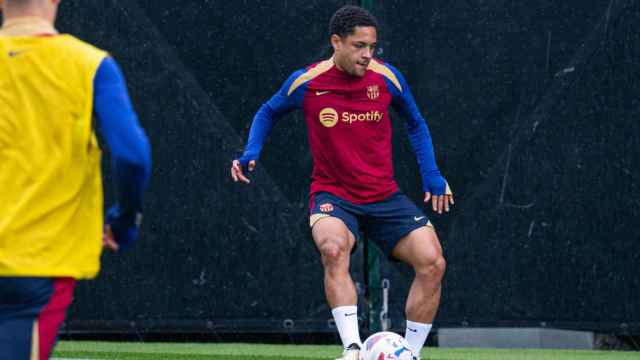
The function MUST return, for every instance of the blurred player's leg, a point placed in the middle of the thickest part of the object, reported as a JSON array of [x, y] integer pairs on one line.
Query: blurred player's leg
[[421, 249], [53, 314], [31, 311], [16, 338], [335, 241], [21, 300]]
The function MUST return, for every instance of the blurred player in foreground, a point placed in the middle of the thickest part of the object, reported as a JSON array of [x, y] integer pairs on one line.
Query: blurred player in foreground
[[346, 102], [51, 201]]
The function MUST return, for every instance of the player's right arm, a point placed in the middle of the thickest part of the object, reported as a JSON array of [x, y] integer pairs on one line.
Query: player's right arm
[[130, 154], [280, 103]]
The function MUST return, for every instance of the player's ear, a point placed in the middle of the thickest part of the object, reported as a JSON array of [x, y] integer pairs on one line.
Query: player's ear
[[336, 41]]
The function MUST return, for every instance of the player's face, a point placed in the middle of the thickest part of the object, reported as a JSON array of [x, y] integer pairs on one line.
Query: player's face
[[353, 53]]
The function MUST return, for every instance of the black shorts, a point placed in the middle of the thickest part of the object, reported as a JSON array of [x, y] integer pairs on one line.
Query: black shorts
[[385, 222]]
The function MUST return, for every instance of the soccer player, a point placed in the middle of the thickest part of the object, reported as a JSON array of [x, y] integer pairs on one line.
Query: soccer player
[[346, 102], [51, 201]]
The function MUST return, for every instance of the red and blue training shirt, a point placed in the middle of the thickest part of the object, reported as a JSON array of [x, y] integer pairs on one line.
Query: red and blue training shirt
[[349, 129]]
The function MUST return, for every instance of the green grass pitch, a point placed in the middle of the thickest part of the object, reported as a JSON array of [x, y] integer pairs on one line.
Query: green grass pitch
[[180, 351]]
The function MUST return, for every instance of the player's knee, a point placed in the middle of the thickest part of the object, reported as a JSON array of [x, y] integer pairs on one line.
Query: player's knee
[[333, 249], [432, 267]]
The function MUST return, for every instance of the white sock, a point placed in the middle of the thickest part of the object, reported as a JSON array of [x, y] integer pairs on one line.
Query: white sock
[[416, 335], [346, 318]]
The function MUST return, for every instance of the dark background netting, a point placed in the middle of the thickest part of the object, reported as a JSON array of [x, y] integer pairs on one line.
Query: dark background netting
[[533, 110]]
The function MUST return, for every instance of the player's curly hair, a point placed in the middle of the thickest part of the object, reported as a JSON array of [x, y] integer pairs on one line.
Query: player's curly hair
[[345, 19]]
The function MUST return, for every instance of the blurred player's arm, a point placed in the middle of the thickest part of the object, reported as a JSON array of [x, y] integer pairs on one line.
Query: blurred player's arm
[[434, 184], [130, 154], [281, 103]]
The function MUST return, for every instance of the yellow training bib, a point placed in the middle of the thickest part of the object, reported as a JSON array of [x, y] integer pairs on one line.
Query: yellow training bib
[[51, 199]]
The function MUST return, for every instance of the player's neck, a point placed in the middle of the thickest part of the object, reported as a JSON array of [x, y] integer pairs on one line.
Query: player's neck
[[36, 13], [24, 25], [338, 67], [342, 72]]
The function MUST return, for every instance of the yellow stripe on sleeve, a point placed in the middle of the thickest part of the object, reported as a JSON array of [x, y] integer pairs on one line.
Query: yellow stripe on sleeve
[[385, 71], [310, 75]]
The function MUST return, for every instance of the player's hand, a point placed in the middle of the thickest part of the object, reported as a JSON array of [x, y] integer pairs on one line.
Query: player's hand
[[108, 242], [236, 171], [121, 227], [439, 202], [438, 191]]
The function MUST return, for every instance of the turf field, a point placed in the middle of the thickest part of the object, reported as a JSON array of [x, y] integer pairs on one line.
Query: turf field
[[165, 351]]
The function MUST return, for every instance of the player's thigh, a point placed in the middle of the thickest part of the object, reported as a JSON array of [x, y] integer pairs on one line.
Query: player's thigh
[[331, 236], [392, 221], [421, 247], [334, 224]]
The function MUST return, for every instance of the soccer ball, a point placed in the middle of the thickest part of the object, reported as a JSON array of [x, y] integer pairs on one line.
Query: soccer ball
[[385, 345]]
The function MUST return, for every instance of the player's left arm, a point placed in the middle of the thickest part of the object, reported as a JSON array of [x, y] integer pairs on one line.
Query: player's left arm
[[434, 184], [130, 154]]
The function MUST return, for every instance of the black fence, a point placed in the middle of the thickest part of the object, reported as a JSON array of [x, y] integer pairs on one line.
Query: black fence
[[533, 108]]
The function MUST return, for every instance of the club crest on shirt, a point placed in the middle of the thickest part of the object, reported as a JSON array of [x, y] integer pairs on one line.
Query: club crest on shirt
[[326, 207], [373, 91]]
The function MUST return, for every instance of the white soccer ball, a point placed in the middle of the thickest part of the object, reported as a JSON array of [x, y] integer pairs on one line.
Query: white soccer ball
[[385, 345]]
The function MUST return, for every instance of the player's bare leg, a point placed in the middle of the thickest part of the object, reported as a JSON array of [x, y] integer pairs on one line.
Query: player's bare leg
[[335, 241], [421, 249]]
